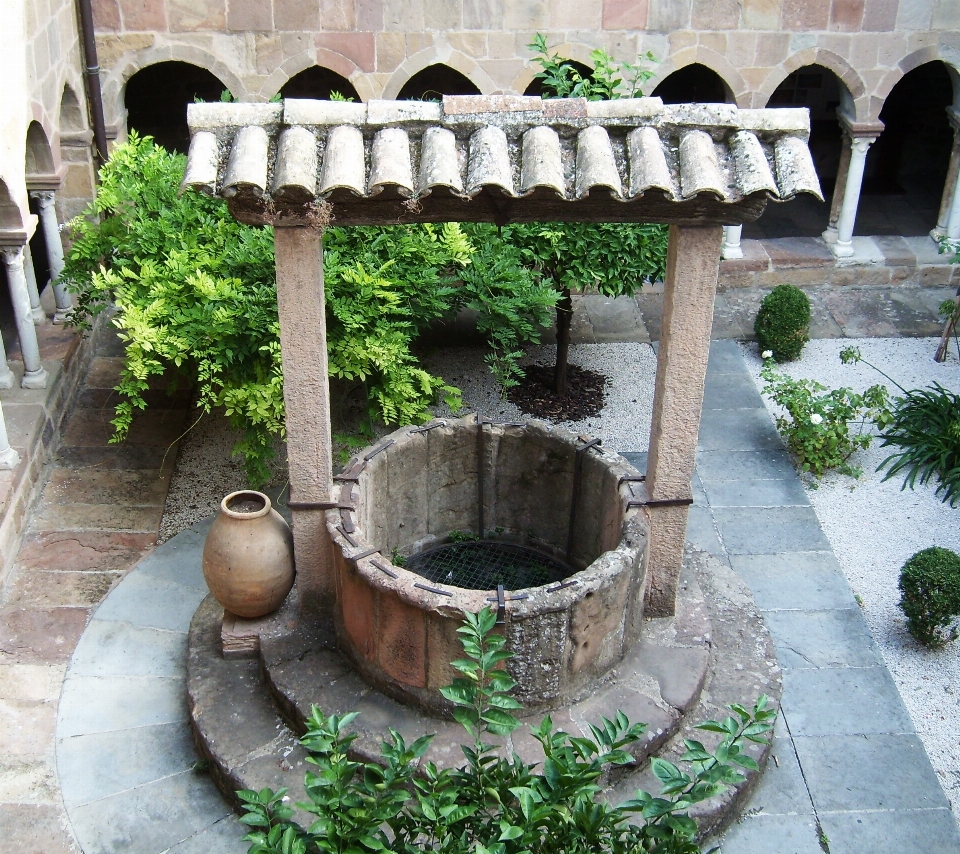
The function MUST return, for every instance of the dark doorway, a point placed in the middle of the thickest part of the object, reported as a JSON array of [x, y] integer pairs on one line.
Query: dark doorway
[[693, 84], [157, 96], [907, 165], [318, 82], [435, 81], [819, 90], [536, 86]]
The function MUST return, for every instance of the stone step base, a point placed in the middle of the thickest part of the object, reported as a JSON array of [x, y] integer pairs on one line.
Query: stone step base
[[687, 668]]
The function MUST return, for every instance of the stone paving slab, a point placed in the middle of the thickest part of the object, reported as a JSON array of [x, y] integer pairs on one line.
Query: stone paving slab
[[92, 704], [98, 765], [890, 832], [873, 771], [843, 701]]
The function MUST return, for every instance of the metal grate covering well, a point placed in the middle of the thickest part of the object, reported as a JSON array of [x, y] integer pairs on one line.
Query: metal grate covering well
[[482, 565]]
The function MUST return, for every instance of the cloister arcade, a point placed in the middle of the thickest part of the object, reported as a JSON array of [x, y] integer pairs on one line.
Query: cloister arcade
[[888, 165]]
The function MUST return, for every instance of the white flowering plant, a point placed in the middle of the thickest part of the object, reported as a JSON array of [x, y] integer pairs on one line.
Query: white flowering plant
[[824, 427]]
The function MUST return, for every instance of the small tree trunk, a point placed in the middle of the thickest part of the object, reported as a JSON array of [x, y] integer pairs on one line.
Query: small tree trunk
[[564, 316]]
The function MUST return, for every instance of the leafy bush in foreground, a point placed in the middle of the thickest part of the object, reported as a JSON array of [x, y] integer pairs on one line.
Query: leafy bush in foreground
[[195, 293], [930, 595], [492, 804]]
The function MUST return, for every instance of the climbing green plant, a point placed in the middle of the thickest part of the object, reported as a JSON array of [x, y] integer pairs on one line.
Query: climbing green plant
[[614, 259], [195, 294], [496, 804]]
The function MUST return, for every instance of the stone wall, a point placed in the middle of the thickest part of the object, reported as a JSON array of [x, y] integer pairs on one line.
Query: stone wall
[[255, 46]]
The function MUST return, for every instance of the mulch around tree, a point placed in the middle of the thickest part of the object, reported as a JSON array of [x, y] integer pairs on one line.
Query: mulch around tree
[[584, 396]]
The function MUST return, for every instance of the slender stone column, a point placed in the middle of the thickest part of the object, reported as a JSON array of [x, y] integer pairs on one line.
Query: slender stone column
[[9, 458], [34, 376], [693, 262], [51, 233], [36, 310], [949, 201], [731, 242], [303, 344], [843, 248], [7, 379], [836, 200]]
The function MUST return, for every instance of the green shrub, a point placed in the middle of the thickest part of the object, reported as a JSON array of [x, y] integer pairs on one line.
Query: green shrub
[[783, 322], [493, 804], [926, 426], [930, 595], [195, 293], [818, 431]]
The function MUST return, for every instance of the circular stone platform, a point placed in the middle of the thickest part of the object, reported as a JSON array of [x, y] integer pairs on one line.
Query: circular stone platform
[[247, 713]]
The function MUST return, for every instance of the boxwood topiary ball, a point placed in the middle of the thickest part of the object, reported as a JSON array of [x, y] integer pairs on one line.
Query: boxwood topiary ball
[[930, 595], [783, 322]]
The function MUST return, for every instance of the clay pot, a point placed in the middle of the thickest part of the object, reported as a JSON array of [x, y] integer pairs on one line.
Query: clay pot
[[248, 555]]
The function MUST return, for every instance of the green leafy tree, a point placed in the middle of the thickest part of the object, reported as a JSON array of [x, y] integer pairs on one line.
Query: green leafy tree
[[611, 258], [195, 293]]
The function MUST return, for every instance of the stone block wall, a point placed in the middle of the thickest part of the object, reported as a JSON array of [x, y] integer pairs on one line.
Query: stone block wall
[[255, 46]]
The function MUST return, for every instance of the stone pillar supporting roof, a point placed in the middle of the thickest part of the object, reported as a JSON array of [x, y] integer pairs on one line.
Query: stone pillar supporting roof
[[498, 159]]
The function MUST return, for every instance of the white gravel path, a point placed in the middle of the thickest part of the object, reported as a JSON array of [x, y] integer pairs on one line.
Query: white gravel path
[[874, 527]]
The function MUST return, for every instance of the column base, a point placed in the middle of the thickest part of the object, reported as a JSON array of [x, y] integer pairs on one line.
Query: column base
[[730, 253], [842, 250], [39, 315], [61, 315], [9, 458], [7, 379], [830, 235], [34, 379]]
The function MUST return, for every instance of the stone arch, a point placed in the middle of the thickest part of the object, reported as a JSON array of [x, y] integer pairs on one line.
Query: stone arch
[[912, 61], [576, 51], [435, 81], [76, 156], [325, 58], [318, 82], [908, 167], [39, 155], [156, 100], [115, 83], [736, 87], [855, 103], [10, 218], [440, 54], [72, 118]]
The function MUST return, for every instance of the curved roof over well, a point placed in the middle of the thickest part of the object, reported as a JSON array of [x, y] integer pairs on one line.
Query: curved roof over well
[[498, 158]]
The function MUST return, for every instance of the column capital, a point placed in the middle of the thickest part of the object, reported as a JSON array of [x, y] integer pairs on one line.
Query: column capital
[[855, 130], [45, 198], [861, 144], [12, 256]]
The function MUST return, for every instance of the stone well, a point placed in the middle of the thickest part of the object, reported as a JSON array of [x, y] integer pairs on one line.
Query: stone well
[[529, 485]]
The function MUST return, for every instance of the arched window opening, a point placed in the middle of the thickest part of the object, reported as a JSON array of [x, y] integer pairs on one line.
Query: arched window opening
[[694, 84], [39, 159], [72, 119], [435, 81], [536, 86], [907, 165], [156, 99], [819, 90], [320, 83]]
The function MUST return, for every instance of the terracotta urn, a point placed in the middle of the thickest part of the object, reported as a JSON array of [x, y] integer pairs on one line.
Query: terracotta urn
[[248, 555]]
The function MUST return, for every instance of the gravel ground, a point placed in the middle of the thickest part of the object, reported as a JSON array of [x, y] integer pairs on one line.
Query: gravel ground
[[874, 527], [206, 471]]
